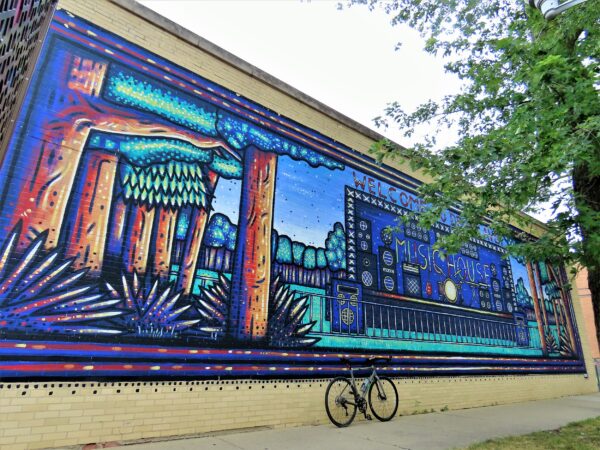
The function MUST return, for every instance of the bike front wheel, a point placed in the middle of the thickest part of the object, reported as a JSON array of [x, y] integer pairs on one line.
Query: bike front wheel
[[340, 402], [383, 399]]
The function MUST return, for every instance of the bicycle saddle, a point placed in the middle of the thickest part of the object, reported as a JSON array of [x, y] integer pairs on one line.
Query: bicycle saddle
[[369, 360], [372, 359]]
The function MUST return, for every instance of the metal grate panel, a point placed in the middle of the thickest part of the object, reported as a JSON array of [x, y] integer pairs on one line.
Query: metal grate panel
[[20, 24]]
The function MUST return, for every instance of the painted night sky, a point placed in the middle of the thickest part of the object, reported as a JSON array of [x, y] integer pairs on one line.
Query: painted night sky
[[313, 197]]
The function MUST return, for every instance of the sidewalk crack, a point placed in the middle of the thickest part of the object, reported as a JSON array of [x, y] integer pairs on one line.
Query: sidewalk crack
[[387, 443], [229, 442]]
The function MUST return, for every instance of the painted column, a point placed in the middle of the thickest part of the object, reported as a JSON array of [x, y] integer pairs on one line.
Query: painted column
[[164, 239], [538, 281], [252, 262], [88, 217], [536, 307], [137, 241], [43, 193], [193, 241], [565, 307], [116, 234]]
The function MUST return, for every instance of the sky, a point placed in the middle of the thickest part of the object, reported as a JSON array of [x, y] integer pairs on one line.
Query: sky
[[345, 59], [308, 200]]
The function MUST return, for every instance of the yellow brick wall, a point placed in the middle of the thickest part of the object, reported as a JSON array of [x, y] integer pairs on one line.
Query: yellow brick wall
[[585, 298], [52, 414], [55, 413]]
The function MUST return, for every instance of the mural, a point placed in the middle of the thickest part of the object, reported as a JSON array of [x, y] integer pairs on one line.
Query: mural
[[156, 224]]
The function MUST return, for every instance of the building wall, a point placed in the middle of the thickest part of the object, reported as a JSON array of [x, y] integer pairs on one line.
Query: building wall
[[585, 297], [45, 415], [23, 25], [42, 410]]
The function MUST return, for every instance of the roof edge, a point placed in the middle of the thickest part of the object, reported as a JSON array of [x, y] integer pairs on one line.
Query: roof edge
[[214, 50]]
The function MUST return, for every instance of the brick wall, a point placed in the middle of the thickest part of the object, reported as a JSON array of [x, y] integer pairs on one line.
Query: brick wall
[[23, 25], [52, 414], [585, 298]]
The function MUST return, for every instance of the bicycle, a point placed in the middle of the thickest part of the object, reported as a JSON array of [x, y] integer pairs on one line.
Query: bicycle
[[342, 396]]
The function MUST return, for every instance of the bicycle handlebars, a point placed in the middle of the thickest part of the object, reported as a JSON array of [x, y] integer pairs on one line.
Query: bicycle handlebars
[[369, 360]]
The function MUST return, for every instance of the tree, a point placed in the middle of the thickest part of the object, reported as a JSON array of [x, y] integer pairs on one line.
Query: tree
[[528, 121]]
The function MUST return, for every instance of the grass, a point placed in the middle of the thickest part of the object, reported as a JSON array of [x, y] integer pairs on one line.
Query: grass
[[583, 435]]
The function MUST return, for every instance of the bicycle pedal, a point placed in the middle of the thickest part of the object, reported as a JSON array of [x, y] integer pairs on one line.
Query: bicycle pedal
[[368, 417]]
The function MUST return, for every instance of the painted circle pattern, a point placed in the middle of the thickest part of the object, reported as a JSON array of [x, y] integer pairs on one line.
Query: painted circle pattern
[[388, 282], [388, 258], [347, 316], [450, 290]]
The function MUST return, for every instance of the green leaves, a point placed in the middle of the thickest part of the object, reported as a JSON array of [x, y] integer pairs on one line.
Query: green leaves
[[528, 118]]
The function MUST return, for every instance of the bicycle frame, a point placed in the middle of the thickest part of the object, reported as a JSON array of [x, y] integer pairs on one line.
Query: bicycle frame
[[373, 393], [362, 391]]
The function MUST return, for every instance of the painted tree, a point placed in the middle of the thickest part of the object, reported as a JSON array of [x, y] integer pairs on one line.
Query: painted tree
[[298, 249], [225, 166], [284, 256], [309, 264], [310, 258], [219, 242], [528, 121], [251, 277], [231, 238], [522, 296], [217, 231], [321, 258], [284, 250], [220, 232], [294, 269], [335, 245]]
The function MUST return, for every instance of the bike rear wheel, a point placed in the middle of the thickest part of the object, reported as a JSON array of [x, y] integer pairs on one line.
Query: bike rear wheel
[[383, 399], [340, 402]]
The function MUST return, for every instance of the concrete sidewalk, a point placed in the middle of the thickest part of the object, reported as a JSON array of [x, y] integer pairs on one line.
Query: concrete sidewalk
[[442, 430]]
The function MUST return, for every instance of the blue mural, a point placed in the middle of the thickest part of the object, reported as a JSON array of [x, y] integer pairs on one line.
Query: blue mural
[[159, 225]]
